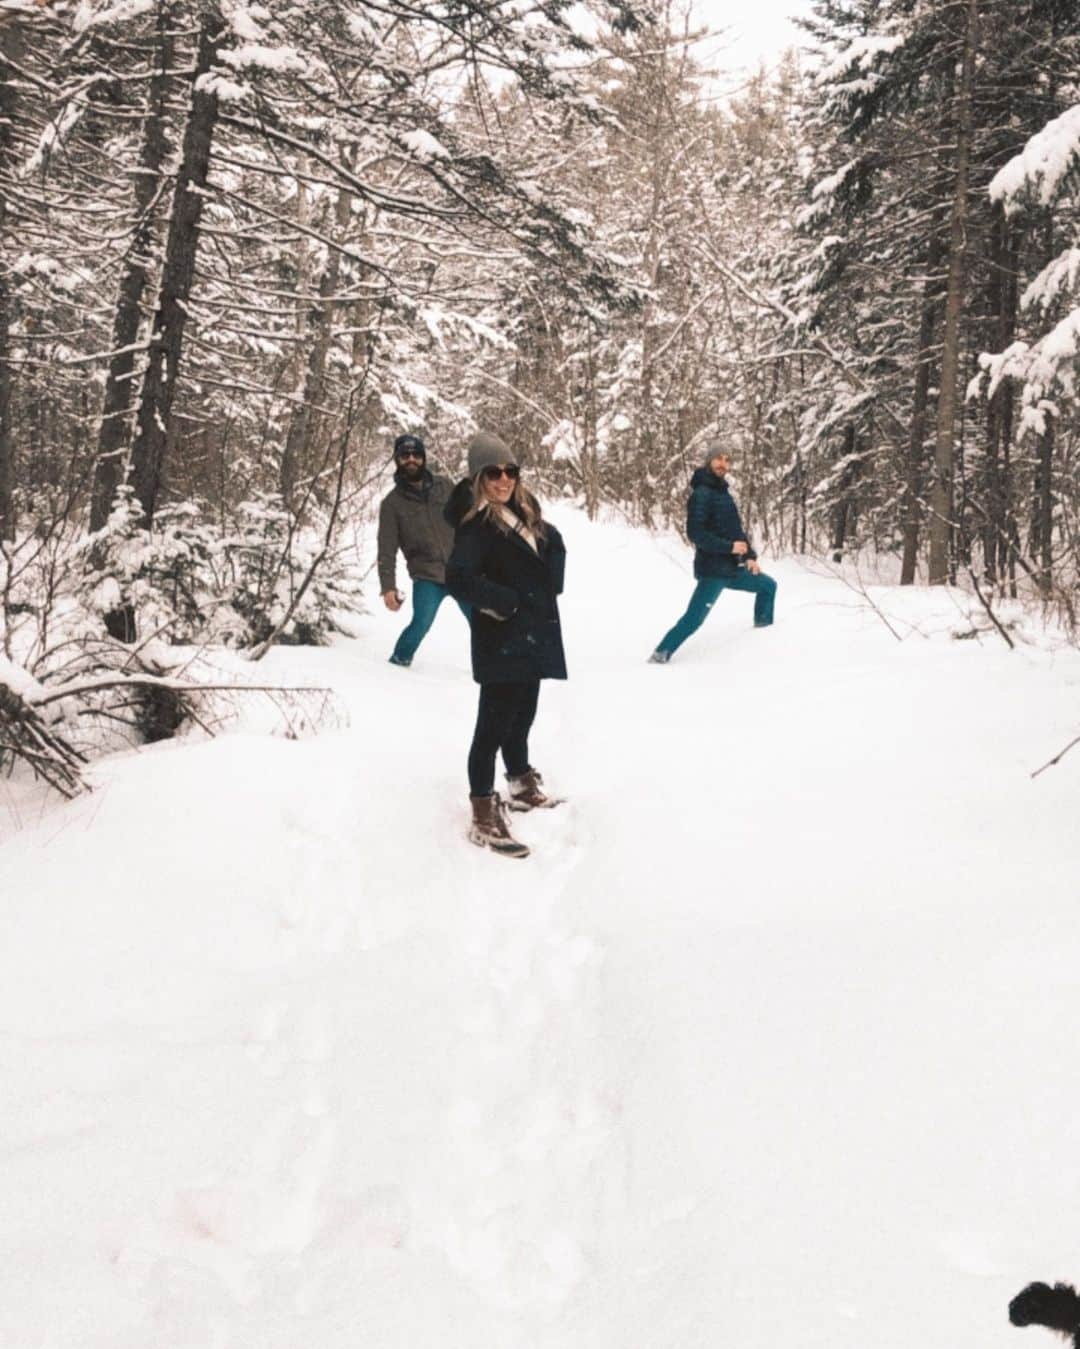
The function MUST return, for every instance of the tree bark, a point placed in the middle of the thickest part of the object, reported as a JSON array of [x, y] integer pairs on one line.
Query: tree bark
[[941, 499], [10, 43], [178, 273], [1001, 410], [320, 331], [915, 467], [114, 432], [659, 153], [590, 450], [842, 509], [1042, 506], [1042, 520]]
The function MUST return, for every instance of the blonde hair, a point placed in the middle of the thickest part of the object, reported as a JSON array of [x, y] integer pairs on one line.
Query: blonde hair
[[521, 499]]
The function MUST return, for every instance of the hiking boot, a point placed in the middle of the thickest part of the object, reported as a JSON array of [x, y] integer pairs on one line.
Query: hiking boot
[[490, 830], [397, 660], [659, 658], [527, 792]]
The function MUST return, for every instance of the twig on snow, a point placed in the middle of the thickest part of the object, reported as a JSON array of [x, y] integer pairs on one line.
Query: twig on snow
[[990, 613], [861, 590], [1057, 757]]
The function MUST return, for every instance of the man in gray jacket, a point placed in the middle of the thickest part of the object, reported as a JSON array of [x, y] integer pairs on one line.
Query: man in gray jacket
[[411, 518]]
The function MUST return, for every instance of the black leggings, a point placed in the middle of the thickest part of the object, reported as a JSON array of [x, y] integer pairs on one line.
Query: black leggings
[[503, 720]]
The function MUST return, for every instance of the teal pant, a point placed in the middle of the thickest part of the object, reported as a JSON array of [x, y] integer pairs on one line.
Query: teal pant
[[707, 592], [427, 596]]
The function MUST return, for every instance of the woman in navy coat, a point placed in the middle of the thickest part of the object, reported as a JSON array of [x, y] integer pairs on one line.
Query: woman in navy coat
[[507, 564]]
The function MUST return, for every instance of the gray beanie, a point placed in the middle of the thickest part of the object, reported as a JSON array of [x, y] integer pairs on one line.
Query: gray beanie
[[486, 448], [714, 448]]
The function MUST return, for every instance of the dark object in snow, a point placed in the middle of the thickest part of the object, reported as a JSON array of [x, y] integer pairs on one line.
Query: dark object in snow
[[1056, 1308]]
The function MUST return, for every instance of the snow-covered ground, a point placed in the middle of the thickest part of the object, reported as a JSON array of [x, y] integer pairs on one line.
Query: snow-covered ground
[[771, 1041]]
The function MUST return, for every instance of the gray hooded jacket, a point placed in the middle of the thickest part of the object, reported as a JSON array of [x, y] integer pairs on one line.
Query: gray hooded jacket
[[411, 518]]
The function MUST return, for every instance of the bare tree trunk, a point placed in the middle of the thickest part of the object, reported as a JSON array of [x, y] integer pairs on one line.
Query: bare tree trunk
[[120, 387], [1042, 506], [842, 510], [10, 43], [1002, 303], [170, 319], [590, 455], [915, 468], [659, 155], [996, 304], [941, 503], [320, 331], [7, 440], [647, 427], [1042, 517]]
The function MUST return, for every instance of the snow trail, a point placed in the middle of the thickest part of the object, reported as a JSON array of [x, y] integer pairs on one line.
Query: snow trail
[[770, 1037]]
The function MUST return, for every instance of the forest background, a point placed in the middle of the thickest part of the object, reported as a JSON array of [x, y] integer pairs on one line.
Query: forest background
[[244, 245]]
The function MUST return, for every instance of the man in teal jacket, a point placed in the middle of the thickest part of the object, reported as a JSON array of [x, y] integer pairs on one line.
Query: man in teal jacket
[[723, 557]]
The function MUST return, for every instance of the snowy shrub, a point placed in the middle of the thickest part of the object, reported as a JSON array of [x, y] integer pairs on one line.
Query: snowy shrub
[[192, 580], [95, 631], [163, 576], [267, 562]]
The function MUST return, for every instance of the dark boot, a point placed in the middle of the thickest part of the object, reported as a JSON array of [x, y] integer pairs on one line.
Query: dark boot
[[527, 792], [490, 830]]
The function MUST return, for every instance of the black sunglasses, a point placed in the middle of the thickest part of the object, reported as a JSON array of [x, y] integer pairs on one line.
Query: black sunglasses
[[494, 472], [410, 454]]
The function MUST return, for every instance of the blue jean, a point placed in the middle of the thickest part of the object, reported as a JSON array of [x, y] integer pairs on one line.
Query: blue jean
[[707, 592], [427, 596]]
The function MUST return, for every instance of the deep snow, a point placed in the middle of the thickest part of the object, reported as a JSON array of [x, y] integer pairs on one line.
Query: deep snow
[[771, 1040]]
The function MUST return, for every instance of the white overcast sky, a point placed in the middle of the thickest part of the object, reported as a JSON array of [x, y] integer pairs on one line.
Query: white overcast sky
[[756, 30]]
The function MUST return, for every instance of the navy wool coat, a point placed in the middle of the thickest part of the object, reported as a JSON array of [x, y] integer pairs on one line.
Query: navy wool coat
[[713, 526], [512, 592]]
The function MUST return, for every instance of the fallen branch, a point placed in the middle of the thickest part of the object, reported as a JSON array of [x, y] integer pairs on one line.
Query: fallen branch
[[25, 735], [80, 687], [860, 590], [1057, 757], [990, 613]]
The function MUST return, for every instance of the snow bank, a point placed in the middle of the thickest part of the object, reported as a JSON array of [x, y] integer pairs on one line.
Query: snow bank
[[778, 1015]]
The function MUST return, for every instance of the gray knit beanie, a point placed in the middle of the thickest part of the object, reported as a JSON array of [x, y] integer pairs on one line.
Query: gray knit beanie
[[486, 448], [714, 448]]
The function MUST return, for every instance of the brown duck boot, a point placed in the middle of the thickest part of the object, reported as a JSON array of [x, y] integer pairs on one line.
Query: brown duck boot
[[527, 792], [490, 830]]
